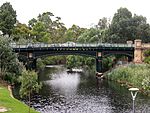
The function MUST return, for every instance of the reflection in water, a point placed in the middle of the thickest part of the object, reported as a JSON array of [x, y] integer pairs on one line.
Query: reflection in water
[[65, 84], [80, 93]]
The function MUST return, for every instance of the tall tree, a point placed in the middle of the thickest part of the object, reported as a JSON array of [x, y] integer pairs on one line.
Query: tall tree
[[9, 64], [46, 18], [140, 29], [47, 29], [7, 18], [120, 25], [126, 27]]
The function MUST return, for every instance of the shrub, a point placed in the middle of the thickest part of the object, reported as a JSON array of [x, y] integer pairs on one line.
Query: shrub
[[137, 75]]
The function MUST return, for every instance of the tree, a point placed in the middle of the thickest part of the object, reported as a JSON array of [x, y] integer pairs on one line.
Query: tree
[[47, 29], [103, 23], [71, 61], [120, 25], [122, 14], [21, 31], [39, 31], [8, 59], [7, 18], [140, 28], [126, 27], [32, 22], [46, 19], [147, 56], [92, 35], [73, 33], [29, 84]]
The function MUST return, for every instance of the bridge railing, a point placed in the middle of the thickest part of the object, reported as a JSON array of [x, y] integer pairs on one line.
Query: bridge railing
[[42, 45], [146, 45], [115, 45]]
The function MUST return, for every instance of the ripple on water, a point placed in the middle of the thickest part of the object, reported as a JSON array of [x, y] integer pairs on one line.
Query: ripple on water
[[74, 93]]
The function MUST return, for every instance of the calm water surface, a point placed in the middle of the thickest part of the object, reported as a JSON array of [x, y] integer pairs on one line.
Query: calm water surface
[[80, 93]]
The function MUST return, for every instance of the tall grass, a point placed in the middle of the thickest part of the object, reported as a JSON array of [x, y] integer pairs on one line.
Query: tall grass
[[138, 75]]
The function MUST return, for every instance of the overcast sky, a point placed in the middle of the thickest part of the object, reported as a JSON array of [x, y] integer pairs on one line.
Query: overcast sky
[[84, 13]]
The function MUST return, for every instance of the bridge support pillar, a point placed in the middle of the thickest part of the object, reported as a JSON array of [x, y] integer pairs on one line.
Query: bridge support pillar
[[99, 65], [130, 59], [31, 64], [138, 51], [99, 62]]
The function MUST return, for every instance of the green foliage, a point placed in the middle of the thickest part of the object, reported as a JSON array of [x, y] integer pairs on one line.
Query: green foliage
[[50, 60], [120, 25], [7, 18], [147, 60], [71, 61], [146, 84], [89, 61], [79, 61], [103, 23], [126, 27], [32, 22], [46, 29], [147, 53], [73, 33], [92, 35], [40, 64], [21, 31], [10, 67], [29, 84], [107, 63], [137, 75], [39, 30], [147, 56], [122, 14]]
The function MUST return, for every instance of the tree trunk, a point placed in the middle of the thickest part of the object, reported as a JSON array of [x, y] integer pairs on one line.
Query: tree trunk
[[29, 101]]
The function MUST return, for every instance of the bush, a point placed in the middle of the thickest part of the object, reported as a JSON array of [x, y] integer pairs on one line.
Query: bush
[[137, 75], [146, 84]]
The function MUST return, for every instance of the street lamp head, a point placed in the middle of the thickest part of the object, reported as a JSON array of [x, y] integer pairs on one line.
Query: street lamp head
[[133, 89], [134, 92]]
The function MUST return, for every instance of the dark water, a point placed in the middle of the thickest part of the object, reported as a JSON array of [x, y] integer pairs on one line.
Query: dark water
[[80, 93]]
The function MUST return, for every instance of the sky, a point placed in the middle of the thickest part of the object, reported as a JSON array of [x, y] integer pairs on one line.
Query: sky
[[84, 13]]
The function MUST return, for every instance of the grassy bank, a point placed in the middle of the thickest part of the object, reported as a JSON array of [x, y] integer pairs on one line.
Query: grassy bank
[[11, 104], [133, 76]]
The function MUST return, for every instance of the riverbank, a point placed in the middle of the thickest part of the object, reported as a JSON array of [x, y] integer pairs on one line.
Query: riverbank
[[11, 105], [132, 76]]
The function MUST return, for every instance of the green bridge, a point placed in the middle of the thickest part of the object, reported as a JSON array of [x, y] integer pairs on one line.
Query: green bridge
[[32, 51]]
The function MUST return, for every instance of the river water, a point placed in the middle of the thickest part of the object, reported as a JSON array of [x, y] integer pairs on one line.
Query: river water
[[64, 92]]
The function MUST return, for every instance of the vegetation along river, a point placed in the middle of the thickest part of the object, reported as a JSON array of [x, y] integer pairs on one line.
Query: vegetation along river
[[64, 92]]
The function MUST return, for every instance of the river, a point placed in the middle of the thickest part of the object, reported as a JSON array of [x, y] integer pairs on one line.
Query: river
[[64, 92]]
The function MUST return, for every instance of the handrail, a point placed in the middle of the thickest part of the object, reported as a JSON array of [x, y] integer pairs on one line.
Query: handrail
[[43, 45]]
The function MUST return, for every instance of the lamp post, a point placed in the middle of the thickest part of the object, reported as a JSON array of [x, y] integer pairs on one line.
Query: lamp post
[[134, 92]]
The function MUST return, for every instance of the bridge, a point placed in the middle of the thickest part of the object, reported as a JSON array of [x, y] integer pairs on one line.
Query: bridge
[[32, 51]]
